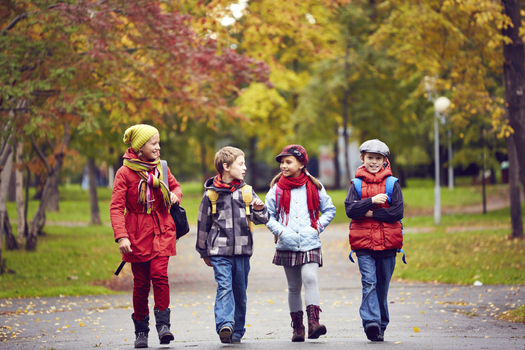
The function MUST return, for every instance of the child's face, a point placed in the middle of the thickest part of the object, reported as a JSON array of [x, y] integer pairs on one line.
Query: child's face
[[291, 167], [235, 171], [373, 162], [151, 149]]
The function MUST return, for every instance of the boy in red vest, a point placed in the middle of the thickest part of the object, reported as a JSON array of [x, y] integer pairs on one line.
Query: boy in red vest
[[376, 233]]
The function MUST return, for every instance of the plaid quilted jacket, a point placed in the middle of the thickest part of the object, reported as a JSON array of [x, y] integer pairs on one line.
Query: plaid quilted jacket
[[227, 233]]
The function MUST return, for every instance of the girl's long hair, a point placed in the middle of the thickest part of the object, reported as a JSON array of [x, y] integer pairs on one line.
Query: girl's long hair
[[314, 180]]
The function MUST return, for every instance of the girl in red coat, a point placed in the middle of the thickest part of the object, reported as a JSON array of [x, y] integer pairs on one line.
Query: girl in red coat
[[144, 229]]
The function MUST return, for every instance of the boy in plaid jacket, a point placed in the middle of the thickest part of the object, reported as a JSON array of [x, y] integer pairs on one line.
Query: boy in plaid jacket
[[225, 240]]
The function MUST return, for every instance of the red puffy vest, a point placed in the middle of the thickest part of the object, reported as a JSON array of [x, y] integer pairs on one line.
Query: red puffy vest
[[367, 233]]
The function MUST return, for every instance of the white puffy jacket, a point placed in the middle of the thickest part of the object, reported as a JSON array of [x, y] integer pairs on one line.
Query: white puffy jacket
[[299, 235]]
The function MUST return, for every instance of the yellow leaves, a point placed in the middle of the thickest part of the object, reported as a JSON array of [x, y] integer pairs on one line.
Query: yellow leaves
[[126, 41], [416, 330]]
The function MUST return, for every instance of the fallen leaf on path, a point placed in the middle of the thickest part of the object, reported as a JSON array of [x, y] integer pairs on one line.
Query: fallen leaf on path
[[416, 330]]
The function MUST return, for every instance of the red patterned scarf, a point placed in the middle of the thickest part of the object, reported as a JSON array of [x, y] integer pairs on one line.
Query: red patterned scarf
[[149, 181], [217, 182], [312, 197]]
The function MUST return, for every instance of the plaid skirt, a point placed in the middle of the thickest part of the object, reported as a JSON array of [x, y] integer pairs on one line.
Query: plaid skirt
[[291, 258]]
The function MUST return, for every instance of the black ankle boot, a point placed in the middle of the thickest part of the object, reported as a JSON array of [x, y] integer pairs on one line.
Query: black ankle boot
[[163, 326], [141, 331]]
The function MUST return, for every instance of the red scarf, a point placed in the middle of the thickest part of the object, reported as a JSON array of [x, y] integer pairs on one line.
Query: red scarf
[[312, 197], [217, 182]]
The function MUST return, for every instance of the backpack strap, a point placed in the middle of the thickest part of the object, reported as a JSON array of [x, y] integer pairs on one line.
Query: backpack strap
[[213, 196], [389, 188], [164, 165], [278, 195], [247, 197], [357, 185]]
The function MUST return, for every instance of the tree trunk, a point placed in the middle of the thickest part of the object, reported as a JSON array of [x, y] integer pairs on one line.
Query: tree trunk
[[514, 67], [26, 203], [93, 198], [203, 159], [345, 119], [54, 196], [10, 239], [337, 168], [514, 190], [5, 176], [39, 219], [11, 191], [251, 162], [20, 194]]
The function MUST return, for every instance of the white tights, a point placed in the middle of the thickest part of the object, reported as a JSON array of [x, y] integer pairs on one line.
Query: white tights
[[297, 276]]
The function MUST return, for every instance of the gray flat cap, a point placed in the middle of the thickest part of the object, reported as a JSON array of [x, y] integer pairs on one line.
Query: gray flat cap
[[375, 146]]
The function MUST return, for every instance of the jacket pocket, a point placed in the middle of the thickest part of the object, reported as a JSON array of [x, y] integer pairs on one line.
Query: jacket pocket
[[288, 239], [393, 235], [360, 235]]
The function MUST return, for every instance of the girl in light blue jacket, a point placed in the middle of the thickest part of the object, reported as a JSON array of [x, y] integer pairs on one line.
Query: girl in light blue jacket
[[294, 201]]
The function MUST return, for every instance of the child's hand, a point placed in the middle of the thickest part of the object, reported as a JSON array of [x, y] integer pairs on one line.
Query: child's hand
[[173, 197], [369, 214], [124, 245], [207, 261], [258, 204], [379, 198]]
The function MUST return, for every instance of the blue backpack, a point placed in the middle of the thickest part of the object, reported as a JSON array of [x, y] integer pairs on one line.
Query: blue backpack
[[389, 188]]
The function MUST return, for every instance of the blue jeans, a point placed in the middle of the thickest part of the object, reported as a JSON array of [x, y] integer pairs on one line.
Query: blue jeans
[[375, 278], [231, 275]]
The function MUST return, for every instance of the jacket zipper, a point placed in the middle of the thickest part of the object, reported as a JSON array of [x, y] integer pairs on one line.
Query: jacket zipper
[[233, 223]]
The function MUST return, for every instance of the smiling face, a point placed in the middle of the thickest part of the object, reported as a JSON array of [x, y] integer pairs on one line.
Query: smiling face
[[373, 162], [291, 167], [151, 149], [235, 171]]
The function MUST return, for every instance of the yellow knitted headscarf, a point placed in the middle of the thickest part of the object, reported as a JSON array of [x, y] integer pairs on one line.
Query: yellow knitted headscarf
[[138, 135]]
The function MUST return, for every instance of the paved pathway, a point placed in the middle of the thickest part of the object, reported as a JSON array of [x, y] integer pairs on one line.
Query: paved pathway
[[423, 316]]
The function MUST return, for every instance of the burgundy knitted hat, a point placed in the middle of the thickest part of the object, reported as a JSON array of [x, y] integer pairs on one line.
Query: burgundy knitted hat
[[297, 151]]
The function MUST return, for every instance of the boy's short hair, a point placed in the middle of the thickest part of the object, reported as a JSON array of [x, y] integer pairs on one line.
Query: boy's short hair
[[226, 155]]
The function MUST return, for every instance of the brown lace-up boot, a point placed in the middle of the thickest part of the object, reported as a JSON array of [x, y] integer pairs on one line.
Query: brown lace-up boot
[[315, 330], [297, 325]]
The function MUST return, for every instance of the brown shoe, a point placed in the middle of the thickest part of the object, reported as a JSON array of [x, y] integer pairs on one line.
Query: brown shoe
[[315, 330], [297, 325]]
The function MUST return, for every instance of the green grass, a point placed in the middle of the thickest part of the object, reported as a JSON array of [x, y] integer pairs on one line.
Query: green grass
[[516, 315], [88, 253], [67, 262], [463, 258]]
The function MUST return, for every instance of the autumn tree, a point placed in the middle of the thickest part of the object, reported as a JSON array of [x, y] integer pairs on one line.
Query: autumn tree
[[514, 68], [460, 43], [125, 61], [290, 37]]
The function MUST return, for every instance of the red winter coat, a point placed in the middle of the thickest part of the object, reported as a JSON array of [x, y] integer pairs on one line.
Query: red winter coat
[[367, 233], [150, 235]]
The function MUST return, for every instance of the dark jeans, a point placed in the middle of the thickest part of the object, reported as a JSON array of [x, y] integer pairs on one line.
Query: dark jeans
[[231, 275], [375, 278]]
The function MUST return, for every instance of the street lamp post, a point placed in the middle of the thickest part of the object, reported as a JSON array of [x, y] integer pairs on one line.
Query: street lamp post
[[440, 106], [450, 168]]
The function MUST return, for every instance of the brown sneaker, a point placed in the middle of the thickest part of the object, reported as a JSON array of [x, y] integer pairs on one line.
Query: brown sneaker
[[225, 334]]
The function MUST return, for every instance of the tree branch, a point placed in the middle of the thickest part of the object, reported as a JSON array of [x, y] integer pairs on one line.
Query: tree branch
[[41, 154], [23, 16]]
